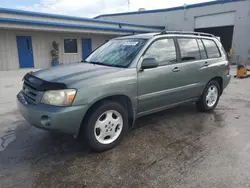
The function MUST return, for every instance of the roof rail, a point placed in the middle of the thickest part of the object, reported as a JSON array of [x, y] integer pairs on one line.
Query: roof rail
[[186, 33]]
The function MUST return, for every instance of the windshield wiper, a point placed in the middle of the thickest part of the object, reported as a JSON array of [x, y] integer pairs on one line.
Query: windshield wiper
[[100, 63], [94, 62], [119, 66]]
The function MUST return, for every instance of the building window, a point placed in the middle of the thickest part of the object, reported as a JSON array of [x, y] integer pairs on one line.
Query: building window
[[163, 50], [212, 49], [189, 49], [70, 46]]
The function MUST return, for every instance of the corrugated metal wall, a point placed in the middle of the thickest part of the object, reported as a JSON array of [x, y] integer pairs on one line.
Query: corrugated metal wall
[[8, 51], [42, 44], [185, 20]]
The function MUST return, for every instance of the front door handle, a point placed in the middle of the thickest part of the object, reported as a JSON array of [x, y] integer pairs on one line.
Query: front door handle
[[176, 69]]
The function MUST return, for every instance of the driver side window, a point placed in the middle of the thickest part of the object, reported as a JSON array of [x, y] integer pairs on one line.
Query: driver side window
[[163, 50]]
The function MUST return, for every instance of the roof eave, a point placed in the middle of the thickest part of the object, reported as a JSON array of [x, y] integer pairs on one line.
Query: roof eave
[[170, 9], [72, 26], [56, 16]]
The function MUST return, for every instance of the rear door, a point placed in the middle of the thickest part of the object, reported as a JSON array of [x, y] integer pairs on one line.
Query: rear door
[[191, 62], [216, 62], [204, 73]]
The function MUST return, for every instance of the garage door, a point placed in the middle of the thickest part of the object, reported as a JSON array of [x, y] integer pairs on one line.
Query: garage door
[[215, 20]]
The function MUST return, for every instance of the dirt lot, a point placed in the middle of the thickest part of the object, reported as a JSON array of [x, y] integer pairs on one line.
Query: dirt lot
[[175, 148]]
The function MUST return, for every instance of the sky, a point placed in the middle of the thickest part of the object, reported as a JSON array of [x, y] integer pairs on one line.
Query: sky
[[91, 8]]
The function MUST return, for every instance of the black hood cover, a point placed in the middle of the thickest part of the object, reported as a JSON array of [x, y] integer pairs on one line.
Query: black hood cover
[[42, 85]]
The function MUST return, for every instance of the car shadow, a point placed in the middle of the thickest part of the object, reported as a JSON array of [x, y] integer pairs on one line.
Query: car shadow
[[188, 109], [36, 144]]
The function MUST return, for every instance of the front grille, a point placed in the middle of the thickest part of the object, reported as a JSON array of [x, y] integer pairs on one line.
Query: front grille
[[30, 92]]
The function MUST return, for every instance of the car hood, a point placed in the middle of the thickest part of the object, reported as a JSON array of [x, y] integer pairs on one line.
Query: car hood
[[74, 72]]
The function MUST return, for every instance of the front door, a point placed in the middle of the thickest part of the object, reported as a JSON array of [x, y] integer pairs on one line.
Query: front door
[[25, 53], [86, 48], [159, 87]]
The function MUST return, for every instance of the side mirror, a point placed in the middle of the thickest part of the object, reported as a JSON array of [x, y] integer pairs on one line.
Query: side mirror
[[149, 63]]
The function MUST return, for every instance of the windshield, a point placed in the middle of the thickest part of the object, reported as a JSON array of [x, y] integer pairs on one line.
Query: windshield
[[117, 53]]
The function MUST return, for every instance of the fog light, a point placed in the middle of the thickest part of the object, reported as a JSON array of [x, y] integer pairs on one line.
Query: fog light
[[45, 120]]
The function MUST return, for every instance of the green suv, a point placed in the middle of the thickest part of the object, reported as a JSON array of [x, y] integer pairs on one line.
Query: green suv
[[125, 78]]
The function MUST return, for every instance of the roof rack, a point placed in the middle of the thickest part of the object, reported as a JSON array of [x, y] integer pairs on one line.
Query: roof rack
[[186, 33]]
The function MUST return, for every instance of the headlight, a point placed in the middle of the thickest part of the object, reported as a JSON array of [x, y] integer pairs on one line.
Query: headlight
[[59, 97]]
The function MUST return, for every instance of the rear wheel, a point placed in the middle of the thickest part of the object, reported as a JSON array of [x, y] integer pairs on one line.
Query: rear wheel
[[106, 126], [210, 97]]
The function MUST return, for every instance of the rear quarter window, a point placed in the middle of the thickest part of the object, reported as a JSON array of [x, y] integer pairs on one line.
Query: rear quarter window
[[211, 48], [224, 52]]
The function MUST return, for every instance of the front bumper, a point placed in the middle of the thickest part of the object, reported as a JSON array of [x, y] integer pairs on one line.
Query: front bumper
[[53, 118]]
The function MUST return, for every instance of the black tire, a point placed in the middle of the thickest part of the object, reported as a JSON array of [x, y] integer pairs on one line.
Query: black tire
[[89, 126], [201, 104]]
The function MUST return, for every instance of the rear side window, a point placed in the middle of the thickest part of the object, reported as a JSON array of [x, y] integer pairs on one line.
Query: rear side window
[[202, 49], [163, 50], [189, 49], [211, 48]]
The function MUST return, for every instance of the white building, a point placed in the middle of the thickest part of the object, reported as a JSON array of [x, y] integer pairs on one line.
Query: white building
[[228, 19], [26, 37]]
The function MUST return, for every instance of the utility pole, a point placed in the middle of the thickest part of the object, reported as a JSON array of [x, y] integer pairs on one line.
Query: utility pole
[[128, 4]]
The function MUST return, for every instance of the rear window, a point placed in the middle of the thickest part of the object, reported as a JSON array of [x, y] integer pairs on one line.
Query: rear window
[[211, 48], [189, 49]]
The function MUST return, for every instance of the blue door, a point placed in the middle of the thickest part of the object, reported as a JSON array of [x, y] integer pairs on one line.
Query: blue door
[[86, 48], [25, 53]]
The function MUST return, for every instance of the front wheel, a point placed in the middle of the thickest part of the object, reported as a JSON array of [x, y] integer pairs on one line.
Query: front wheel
[[106, 126], [210, 97]]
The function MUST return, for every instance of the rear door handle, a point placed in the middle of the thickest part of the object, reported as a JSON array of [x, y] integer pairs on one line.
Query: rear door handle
[[176, 69], [206, 64]]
